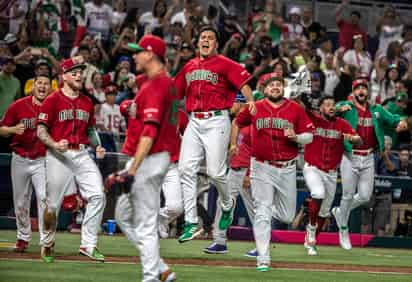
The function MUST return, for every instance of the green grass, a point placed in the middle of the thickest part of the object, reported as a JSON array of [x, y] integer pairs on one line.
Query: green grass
[[24, 271], [68, 244]]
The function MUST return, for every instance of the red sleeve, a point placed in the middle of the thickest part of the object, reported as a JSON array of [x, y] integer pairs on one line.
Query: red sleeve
[[10, 118], [236, 74], [152, 105], [346, 128], [47, 114], [244, 118], [340, 23], [92, 118], [180, 83], [304, 124], [150, 130]]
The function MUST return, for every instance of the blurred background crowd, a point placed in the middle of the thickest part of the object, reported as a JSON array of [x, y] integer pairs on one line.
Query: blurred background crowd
[[264, 36]]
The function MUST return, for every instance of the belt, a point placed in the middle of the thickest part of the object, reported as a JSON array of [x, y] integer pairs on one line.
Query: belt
[[206, 115], [279, 164], [362, 152], [237, 168], [76, 147]]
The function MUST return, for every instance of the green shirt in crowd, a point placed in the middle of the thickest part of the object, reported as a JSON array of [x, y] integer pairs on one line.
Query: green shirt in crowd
[[9, 91]]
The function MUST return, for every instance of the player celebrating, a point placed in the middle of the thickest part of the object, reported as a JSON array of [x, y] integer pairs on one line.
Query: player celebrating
[[65, 125], [27, 163], [277, 128], [358, 165], [322, 157], [209, 83], [151, 140]]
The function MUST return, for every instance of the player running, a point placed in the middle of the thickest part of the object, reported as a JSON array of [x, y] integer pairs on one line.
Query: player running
[[209, 84], [27, 163], [322, 157], [358, 164], [66, 127], [277, 128]]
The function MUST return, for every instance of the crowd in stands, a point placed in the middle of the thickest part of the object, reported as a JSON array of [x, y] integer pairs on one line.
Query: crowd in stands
[[38, 34]]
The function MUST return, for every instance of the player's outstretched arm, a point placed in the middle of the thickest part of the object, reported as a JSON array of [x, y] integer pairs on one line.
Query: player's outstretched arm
[[247, 93], [234, 133], [7, 131], [43, 135]]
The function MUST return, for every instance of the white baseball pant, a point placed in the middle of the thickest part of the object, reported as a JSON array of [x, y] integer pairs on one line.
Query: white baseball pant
[[205, 138], [322, 185], [25, 174], [63, 169], [271, 186], [235, 185], [358, 174], [172, 192], [137, 212]]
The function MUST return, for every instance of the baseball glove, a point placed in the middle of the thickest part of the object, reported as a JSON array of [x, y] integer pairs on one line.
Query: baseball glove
[[121, 179]]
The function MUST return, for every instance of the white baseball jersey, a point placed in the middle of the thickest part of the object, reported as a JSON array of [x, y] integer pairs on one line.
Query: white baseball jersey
[[111, 119]]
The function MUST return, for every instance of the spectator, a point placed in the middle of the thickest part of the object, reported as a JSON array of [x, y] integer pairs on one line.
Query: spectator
[[110, 119], [155, 20], [389, 28], [344, 88], [9, 84], [233, 46], [119, 14], [347, 29], [387, 87], [324, 47], [99, 20], [387, 164], [186, 53], [211, 18], [270, 22], [394, 56], [405, 166], [17, 15], [331, 74], [90, 69], [397, 106], [358, 56], [183, 16], [97, 90], [311, 29], [294, 28], [407, 44], [99, 57]]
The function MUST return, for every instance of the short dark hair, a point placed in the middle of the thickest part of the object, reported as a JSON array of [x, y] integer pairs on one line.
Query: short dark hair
[[42, 75], [84, 47], [209, 28], [324, 98], [356, 13]]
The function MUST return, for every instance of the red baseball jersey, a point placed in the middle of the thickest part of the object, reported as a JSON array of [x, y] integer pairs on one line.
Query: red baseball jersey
[[365, 130], [326, 150], [268, 127], [67, 118], [242, 158], [25, 111], [211, 83], [156, 103]]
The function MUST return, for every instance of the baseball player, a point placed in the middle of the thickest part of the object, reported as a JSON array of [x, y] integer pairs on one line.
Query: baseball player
[[66, 127], [238, 181], [277, 128], [209, 84], [151, 141], [358, 165], [322, 157], [27, 163]]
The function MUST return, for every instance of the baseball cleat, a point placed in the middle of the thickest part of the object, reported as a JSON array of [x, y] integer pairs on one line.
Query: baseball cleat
[[216, 248], [251, 254], [21, 246], [344, 239], [310, 238], [47, 254], [167, 276], [312, 250], [263, 267], [338, 217], [92, 252], [227, 217], [191, 231]]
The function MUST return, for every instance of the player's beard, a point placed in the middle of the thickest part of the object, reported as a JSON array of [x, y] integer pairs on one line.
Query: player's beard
[[361, 101], [75, 86], [275, 99]]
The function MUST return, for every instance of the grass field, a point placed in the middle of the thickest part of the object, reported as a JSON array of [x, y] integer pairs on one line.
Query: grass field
[[67, 244]]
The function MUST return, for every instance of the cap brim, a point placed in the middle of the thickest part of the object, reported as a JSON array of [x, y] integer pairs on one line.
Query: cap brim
[[82, 66], [135, 47]]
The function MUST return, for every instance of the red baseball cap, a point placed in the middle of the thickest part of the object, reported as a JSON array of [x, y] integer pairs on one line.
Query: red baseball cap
[[268, 77], [358, 82], [150, 42], [72, 63], [110, 89]]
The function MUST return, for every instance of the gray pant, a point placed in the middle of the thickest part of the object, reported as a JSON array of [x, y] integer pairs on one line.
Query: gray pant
[[235, 185], [137, 213], [25, 174], [271, 186]]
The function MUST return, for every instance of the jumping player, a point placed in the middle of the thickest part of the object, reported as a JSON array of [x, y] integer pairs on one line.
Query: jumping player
[[209, 84], [358, 165], [66, 127], [151, 141], [277, 128], [322, 157], [27, 163]]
